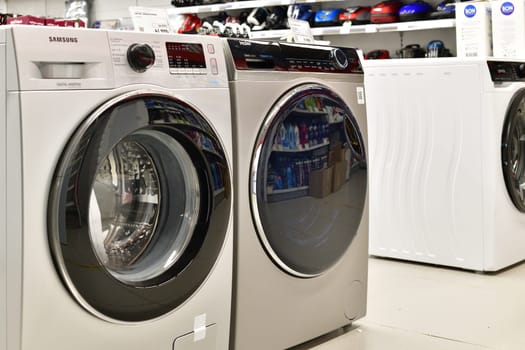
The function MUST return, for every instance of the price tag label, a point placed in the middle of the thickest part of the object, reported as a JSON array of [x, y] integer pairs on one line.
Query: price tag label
[[370, 28], [403, 26], [149, 20], [346, 28], [301, 31]]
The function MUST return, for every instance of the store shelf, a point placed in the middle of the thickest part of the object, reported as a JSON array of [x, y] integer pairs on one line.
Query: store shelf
[[310, 148], [287, 194], [366, 28], [304, 112], [289, 190], [237, 5]]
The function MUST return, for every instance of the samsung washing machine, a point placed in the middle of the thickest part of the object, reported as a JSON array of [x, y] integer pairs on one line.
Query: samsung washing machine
[[301, 215], [447, 148], [116, 198]]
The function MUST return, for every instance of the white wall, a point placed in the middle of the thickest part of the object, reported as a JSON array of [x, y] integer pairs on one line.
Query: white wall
[[119, 8], [51, 8], [102, 9], [394, 40]]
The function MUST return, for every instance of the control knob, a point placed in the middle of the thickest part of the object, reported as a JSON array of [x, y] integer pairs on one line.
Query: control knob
[[339, 59], [140, 57], [520, 70]]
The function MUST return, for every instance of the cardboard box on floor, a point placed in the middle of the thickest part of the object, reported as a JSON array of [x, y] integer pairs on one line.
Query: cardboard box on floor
[[339, 176], [321, 182], [336, 154]]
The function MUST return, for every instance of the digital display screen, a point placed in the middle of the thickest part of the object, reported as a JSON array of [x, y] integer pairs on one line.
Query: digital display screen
[[185, 55]]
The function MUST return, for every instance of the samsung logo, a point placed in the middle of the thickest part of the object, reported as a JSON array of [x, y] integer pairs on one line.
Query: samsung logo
[[470, 11], [507, 8], [63, 39]]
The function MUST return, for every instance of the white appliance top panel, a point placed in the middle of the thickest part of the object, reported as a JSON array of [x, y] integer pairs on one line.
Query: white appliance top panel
[[53, 58]]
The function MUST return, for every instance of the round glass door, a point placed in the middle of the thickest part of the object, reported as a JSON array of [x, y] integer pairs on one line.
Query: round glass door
[[309, 181], [125, 203], [513, 150], [139, 207]]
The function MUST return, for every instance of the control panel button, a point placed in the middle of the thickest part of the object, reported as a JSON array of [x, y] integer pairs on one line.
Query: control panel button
[[140, 57]]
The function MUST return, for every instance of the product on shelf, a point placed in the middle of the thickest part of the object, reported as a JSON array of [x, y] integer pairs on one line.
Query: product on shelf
[[411, 51], [4, 17], [356, 15], [385, 12], [445, 9], [257, 18], [41, 21], [436, 48], [31, 20], [182, 3], [66, 22], [301, 12], [78, 10], [325, 18], [415, 11], [508, 28], [473, 29], [378, 54], [191, 24], [277, 18]]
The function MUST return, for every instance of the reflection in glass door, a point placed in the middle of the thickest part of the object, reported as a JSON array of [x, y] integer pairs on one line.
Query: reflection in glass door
[[310, 180]]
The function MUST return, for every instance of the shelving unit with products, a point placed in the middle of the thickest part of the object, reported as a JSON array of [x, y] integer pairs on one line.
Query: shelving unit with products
[[367, 37], [310, 143]]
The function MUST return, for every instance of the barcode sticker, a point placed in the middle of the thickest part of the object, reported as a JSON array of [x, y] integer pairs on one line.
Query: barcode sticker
[[199, 327], [360, 95]]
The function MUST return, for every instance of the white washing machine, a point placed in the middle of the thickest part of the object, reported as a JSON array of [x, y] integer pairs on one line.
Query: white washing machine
[[301, 227], [447, 161], [116, 193]]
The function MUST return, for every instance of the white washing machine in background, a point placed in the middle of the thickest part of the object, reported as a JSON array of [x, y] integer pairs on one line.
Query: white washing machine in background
[[447, 161], [301, 228], [115, 166]]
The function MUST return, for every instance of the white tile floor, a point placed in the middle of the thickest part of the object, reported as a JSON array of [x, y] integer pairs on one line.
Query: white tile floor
[[420, 307]]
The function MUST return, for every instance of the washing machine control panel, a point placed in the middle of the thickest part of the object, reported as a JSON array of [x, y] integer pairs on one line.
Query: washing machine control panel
[[308, 58], [171, 61], [502, 71], [255, 55]]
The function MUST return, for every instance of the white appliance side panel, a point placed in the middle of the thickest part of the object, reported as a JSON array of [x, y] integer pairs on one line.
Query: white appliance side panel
[[3, 240], [13, 221], [425, 164]]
